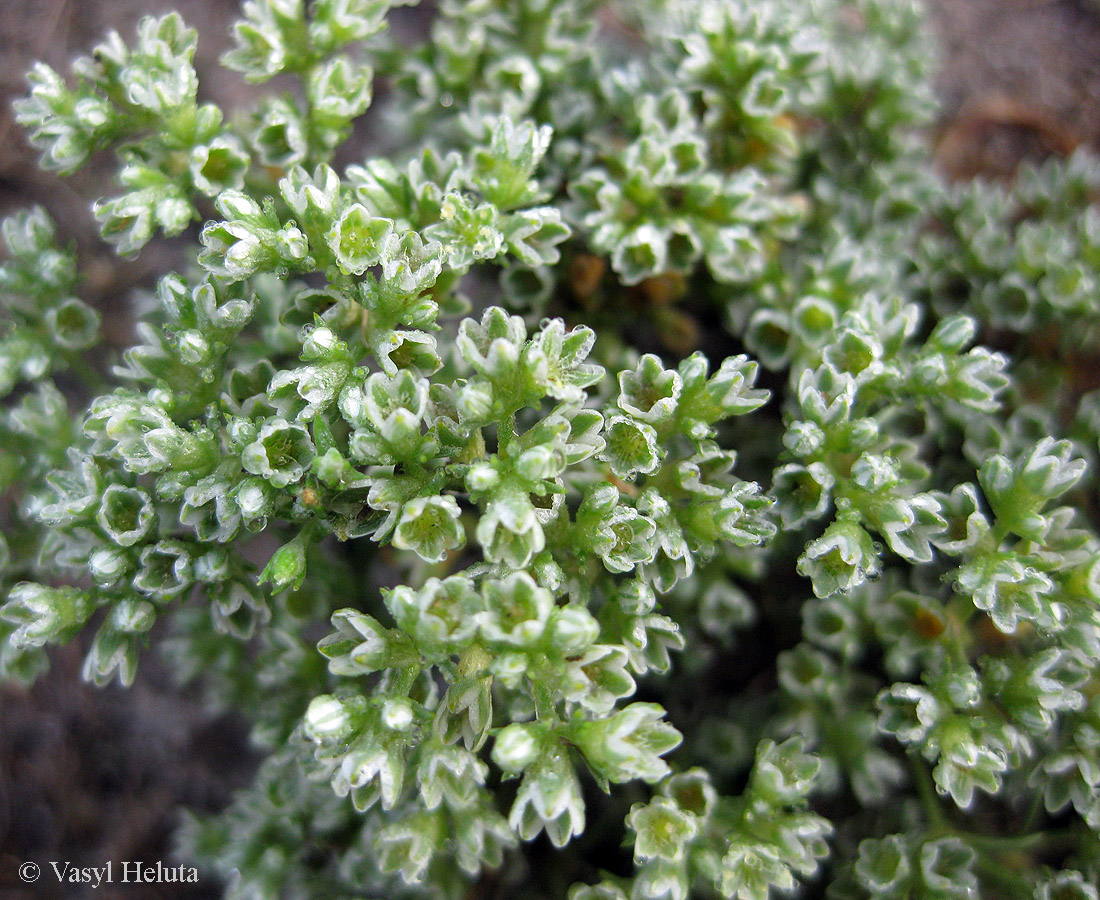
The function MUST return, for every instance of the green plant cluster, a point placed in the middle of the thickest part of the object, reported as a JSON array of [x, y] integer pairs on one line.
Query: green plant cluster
[[645, 479]]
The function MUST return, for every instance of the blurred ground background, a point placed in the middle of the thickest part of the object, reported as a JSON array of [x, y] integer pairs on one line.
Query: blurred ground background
[[89, 775]]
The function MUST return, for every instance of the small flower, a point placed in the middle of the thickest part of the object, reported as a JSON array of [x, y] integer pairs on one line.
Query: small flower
[[630, 448], [281, 452], [43, 614], [650, 392], [841, 559], [126, 514], [234, 249], [164, 570], [219, 165], [509, 530], [549, 797], [440, 616], [371, 773], [73, 324], [573, 629], [326, 719], [107, 565], [567, 375], [357, 237], [287, 566], [518, 746], [430, 526], [361, 645], [884, 865], [493, 345], [662, 830], [450, 775], [626, 538], [598, 678], [517, 611], [629, 744], [1008, 591]]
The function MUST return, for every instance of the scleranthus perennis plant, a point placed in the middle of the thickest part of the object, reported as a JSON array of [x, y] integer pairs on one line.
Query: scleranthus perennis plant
[[454, 469]]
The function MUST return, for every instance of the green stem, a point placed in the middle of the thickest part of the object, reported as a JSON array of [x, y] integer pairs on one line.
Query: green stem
[[1012, 884], [929, 799], [960, 609], [1020, 842], [1034, 812], [997, 535], [506, 431], [543, 696], [88, 374], [402, 680]]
